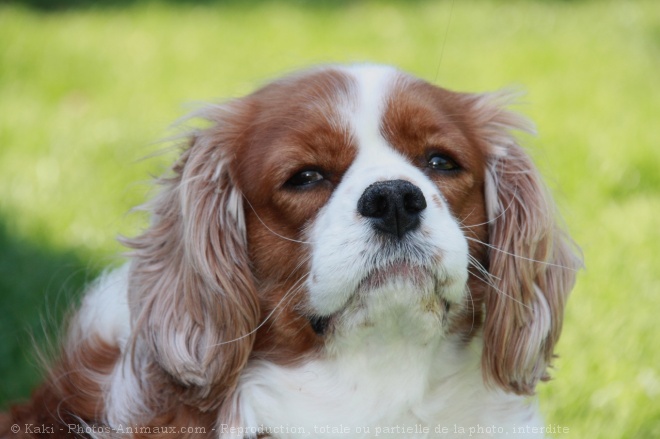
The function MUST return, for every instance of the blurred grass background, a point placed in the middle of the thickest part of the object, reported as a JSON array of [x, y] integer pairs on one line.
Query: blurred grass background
[[87, 88]]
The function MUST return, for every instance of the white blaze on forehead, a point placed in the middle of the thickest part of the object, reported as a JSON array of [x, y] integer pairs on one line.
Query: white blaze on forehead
[[373, 84]]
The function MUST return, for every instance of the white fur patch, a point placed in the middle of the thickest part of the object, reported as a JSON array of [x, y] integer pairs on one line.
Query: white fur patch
[[427, 391], [104, 311]]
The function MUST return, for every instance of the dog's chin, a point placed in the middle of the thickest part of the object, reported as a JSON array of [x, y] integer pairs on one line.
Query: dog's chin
[[400, 300]]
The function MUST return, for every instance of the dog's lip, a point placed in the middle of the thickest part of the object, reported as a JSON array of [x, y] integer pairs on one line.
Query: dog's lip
[[400, 269]]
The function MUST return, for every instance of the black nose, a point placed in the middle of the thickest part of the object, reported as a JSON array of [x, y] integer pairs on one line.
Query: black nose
[[394, 206]]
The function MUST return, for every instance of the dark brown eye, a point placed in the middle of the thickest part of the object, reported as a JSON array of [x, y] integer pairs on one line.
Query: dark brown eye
[[442, 162], [305, 178]]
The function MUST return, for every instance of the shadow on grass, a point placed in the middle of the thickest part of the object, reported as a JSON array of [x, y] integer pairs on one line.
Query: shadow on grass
[[38, 285]]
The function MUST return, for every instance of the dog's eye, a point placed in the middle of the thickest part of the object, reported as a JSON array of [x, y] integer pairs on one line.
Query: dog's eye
[[304, 178], [442, 162]]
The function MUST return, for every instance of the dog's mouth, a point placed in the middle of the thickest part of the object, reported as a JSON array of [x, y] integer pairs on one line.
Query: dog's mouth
[[399, 285], [320, 324]]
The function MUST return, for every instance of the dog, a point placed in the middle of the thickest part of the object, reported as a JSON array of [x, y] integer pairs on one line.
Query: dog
[[348, 251]]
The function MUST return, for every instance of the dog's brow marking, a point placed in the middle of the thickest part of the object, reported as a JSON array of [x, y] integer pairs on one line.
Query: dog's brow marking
[[372, 87]]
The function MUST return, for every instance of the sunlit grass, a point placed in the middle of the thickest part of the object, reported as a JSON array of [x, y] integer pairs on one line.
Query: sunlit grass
[[84, 93]]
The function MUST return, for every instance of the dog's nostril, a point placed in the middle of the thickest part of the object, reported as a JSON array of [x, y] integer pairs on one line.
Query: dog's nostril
[[414, 201], [394, 206], [375, 206]]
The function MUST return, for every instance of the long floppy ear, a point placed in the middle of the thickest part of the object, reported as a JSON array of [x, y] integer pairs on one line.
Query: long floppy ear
[[532, 260], [193, 300]]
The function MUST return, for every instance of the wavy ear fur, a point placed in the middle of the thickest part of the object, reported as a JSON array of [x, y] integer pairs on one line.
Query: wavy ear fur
[[532, 260], [193, 300]]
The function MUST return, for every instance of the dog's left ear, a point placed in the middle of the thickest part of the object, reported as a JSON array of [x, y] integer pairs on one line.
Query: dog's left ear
[[531, 260], [193, 299]]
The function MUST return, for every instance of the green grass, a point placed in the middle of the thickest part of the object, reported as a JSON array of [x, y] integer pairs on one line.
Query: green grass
[[85, 91]]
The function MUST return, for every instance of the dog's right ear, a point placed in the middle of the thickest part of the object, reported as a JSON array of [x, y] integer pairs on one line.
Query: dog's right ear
[[194, 306], [532, 259]]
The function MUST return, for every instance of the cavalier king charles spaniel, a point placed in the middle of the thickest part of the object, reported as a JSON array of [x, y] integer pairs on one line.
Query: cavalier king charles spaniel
[[347, 252]]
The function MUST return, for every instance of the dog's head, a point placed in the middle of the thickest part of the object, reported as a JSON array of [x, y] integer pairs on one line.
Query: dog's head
[[341, 201]]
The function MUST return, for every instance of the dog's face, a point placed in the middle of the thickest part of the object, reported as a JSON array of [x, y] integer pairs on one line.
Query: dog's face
[[361, 187], [342, 201]]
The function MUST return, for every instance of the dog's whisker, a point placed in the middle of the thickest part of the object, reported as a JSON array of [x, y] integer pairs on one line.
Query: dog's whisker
[[550, 264], [476, 264], [297, 241], [472, 307], [499, 290], [288, 296], [490, 221]]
